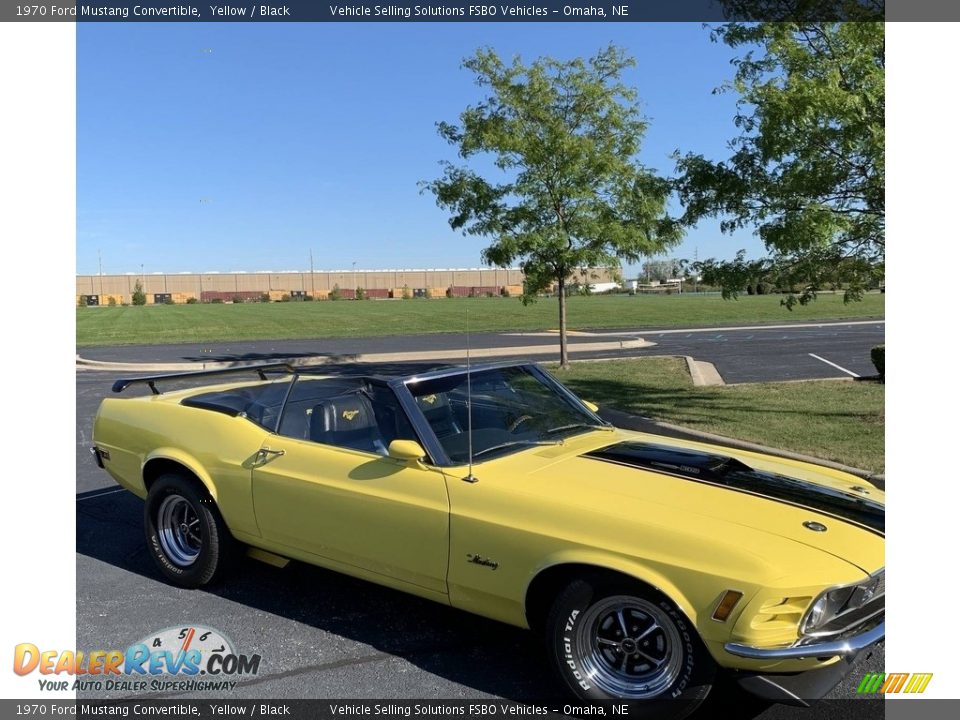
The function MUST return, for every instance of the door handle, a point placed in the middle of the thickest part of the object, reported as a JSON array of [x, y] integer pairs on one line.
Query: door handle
[[266, 454]]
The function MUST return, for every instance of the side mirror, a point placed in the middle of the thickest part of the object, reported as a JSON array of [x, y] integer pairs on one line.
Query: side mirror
[[593, 406], [407, 451]]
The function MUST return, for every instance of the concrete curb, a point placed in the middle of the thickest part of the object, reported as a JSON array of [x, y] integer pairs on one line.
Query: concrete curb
[[625, 420], [453, 354], [702, 372]]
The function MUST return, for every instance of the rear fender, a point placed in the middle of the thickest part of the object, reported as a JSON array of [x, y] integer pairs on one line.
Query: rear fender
[[185, 459]]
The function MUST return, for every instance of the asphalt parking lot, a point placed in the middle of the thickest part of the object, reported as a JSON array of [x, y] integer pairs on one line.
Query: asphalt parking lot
[[752, 354], [320, 634]]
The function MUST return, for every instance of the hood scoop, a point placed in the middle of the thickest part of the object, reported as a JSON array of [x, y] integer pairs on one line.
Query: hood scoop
[[732, 474]]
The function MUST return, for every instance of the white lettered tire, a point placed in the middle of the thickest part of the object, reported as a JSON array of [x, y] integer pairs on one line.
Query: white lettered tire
[[186, 535], [619, 641]]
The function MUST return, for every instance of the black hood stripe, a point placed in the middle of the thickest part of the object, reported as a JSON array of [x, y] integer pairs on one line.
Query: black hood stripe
[[729, 473]]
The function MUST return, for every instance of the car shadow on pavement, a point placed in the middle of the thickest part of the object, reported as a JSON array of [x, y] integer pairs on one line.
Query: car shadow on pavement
[[487, 656]]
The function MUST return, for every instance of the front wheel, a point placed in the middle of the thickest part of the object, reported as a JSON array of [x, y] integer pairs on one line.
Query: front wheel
[[620, 642], [185, 534]]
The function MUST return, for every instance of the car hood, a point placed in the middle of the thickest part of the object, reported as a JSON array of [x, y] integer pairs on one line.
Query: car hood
[[821, 508]]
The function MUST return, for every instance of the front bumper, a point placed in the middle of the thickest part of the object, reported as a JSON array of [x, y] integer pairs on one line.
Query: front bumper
[[845, 646]]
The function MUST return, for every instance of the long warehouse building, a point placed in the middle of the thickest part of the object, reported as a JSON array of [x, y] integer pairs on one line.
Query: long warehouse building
[[247, 286]]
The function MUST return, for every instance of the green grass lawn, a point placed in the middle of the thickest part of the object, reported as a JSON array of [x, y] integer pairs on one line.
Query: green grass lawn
[[839, 421], [268, 321]]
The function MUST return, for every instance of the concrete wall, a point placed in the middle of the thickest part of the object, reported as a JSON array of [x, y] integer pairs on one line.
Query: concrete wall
[[318, 283]]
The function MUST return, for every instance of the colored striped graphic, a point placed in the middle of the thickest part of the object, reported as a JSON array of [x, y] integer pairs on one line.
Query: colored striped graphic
[[894, 683]]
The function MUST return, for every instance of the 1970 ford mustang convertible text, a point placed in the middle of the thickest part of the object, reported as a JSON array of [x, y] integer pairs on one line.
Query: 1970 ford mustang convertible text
[[650, 565]]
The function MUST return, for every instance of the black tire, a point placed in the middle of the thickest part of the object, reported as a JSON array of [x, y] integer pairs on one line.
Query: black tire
[[664, 667], [189, 556]]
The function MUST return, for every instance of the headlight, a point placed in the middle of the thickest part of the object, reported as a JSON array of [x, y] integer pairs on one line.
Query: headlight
[[838, 601], [825, 608]]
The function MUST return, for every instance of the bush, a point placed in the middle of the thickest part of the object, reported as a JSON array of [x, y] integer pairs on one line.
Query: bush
[[217, 301], [406, 295], [192, 301], [877, 355], [139, 297], [285, 298], [237, 300], [112, 301], [335, 294], [764, 288], [449, 293], [168, 301], [751, 290], [361, 294], [265, 297], [307, 298]]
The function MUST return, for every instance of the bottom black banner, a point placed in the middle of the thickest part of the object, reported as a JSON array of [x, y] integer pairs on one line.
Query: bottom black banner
[[859, 709]]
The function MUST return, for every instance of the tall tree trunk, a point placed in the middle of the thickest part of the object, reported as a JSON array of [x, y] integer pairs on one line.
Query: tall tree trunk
[[562, 289]]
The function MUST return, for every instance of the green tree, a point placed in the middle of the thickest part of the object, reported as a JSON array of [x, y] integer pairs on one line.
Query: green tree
[[139, 297], [562, 188], [807, 167]]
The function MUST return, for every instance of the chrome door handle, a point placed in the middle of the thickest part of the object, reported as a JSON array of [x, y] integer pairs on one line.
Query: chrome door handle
[[265, 454]]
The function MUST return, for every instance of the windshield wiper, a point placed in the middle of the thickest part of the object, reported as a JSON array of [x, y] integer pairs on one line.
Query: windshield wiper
[[572, 426], [516, 442]]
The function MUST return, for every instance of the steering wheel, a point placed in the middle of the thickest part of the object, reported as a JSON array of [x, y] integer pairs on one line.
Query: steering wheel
[[518, 422]]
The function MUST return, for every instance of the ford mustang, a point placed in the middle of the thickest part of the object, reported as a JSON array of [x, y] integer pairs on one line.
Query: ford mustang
[[651, 566]]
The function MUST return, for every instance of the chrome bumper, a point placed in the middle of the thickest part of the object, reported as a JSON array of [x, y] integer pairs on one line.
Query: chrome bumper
[[811, 649]]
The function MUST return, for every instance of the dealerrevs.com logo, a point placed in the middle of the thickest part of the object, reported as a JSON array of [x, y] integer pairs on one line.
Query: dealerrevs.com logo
[[181, 659]]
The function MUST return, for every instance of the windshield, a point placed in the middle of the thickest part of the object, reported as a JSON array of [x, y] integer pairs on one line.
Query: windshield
[[512, 409]]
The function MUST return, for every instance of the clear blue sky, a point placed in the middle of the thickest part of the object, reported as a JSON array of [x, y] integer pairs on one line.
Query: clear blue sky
[[244, 146]]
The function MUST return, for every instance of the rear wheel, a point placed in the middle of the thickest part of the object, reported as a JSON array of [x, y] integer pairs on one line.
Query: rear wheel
[[186, 535], [616, 641]]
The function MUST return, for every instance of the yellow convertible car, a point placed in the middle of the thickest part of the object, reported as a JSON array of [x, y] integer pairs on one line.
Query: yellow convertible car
[[651, 566]]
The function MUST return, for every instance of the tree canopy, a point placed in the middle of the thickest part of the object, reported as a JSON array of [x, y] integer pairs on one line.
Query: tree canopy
[[807, 167], [564, 190]]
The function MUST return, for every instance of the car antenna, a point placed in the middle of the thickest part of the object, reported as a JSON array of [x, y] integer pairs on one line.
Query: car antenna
[[470, 478]]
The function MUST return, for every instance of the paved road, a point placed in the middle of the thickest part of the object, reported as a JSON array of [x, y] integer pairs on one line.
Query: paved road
[[750, 355], [321, 634]]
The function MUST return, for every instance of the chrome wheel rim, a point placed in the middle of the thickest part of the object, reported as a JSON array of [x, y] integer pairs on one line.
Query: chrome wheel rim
[[630, 648], [178, 527]]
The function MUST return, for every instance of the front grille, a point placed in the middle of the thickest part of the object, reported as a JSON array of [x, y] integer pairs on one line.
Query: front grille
[[851, 620], [867, 614]]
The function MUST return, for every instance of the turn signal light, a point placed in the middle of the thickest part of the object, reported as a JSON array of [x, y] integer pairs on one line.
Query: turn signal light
[[727, 603]]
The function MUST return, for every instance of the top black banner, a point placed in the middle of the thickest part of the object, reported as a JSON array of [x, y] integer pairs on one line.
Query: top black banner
[[479, 11]]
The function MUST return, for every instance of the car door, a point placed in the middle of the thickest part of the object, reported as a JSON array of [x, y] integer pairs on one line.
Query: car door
[[335, 494]]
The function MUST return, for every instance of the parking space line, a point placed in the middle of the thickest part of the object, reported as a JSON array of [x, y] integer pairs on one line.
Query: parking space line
[[100, 495], [832, 364]]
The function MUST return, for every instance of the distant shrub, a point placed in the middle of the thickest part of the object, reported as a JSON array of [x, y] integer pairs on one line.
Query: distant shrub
[[427, 294], [877, 355], [139, 297], [82, 301], [335, 294], [237, 299], [285, 298], [217, 301], [168, 301], [361, 294], [265, 297], [449, 292], [307, 298], [112, 301], [406, 295], [192, 301], [751, 289], [764, 288], [504, 292]]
